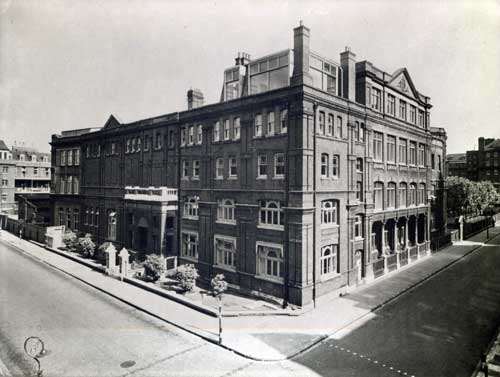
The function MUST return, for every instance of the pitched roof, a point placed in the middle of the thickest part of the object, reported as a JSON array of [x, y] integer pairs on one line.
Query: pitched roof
[[456, 157], [3, 146]]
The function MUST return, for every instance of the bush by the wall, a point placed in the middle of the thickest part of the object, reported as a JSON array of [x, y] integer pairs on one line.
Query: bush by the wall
[[154, 267], [85, 246], [186, 276]]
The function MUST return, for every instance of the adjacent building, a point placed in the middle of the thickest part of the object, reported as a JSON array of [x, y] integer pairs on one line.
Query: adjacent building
[[7, 183], [32, 170], [457, 164], [309, 176]]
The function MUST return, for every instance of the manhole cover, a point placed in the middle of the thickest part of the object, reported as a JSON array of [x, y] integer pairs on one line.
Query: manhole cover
[[127, 364]]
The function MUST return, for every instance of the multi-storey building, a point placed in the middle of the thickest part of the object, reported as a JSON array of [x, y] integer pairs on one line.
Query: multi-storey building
[[484, 164], [33, 170], [457, 164], [7, 183], [307, 177]]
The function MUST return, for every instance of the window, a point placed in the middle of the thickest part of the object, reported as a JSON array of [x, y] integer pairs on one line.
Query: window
[[279, 165], [270, 123], [262, 166], [127, 148], [185, 169], [439, 162], [112, 225], [391, 104], [338, 130], [420, 118], [403, 146], [324, 165], [76, 218], [391, 195], [356, 131], [233, 167], [217, 131], [270, 260], [412, 158], [196, 169], [98, 150], [271, 214], [189, 246], [158, 143], [329, 129], [433, 161], [328, 258], [329, 212], [359, 191], [362, 132], [171, 138], [402, 194], [191, 135], [227, 134], [402, 109], [63, 158], [183, 136], [236, 128], [376, 99], [138, 144], [5, 169], [225, 251], [378, 142], [97, 218], [62, 188], [284, 120], [413, 114], [359, 165], [391, 148], [199, 134], [225, 211], [87, 151], [76, 185], [322, 123], [35, 171], [69, 161], [421, 154], [335, 166], [219, 168], [412, 197], [378, 195], [358, 227], [191, 207], [421, 194], [258, 125]]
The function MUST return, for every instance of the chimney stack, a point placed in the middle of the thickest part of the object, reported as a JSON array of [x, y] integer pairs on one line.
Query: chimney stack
[[348, 64], [195, 98], [301, 75], [481, 143], [242, 59]]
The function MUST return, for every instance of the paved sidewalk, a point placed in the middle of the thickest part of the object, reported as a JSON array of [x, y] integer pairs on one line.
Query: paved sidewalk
[[266, 337]]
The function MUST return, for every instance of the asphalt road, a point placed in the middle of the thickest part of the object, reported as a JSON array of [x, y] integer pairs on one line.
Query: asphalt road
[[439, 329]]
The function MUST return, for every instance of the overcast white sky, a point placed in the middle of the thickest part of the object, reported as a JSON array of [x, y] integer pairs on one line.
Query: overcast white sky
[[70, 64]]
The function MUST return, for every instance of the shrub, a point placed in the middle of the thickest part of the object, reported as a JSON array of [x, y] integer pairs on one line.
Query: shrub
[[154, 267], [85, 246], [219, 285], [186, 275], [70, 240]]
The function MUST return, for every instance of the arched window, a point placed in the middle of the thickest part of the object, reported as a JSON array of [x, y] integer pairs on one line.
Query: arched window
[[270, 260], [378, 195], [112, 225], [225, 251], [330, 130], [391, 195], [329, 263], [358, 227], [199, 134], [338, 130], [191, 207], [421, 193], [284, 120], [225, 211], [329, 212], [217, 131], [403, 188], [271, 213]]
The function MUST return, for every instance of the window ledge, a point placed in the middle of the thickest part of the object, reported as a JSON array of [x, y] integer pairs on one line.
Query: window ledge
[[190, 218], [271, 227], [278, 177], [329, 225], [329, 276], [189, 258], [195, 178], [225, 267], [219, 178], [270, 278], [233, 178], [262, 177], [226, 222]]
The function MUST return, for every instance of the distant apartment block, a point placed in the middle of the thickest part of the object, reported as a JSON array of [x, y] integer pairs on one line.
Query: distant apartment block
[[7, 183]]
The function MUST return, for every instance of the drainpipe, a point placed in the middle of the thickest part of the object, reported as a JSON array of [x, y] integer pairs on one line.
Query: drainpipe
[[286, 295], [315, 108]]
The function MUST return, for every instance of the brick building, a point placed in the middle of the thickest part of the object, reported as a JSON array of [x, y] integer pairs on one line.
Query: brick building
[[457, 164], [307, 177], [7, 183], [484, 164], [32, 170]]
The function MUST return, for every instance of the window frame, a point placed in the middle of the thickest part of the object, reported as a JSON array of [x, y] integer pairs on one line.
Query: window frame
[[277, 263], [225, 254]]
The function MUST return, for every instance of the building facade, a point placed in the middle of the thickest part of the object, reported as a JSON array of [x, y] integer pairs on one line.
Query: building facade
[[32, 170], [7, 184], [309, 176], [484, 164], [457, 165]]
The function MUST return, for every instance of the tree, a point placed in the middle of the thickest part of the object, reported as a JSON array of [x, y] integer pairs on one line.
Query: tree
[[154, 267], [85, 246], [466, 197], [219, 284], [186, 276], [70, 240]]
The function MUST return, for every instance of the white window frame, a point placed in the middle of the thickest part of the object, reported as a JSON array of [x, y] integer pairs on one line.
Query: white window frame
[[262, 161], [237, 128], [329, 265], [185, 169], [232, 163], [272, 213], [219, 168], [225, 257], [378, 146], [402, 195], [278, 164], [226, 209], [266, 263], [192, 246], [199, 134], [391, 195], [258, 125], [217, 131], [284, 121], [271, 125], [112, 220], [329, 213], [196, 169], [227, 130], [335, 166], [378, 190], [358, 227], [330, 125], [191, 135], [324, 165], [190, 210]]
